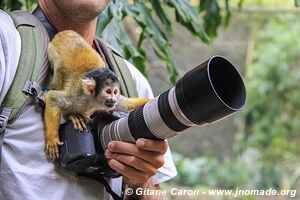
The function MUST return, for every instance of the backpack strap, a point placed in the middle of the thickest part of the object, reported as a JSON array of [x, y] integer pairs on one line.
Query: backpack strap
[[31, 72], [33, 64], [116, 62]]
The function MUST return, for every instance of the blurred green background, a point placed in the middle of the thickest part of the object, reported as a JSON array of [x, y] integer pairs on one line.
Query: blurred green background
[[257, 148]]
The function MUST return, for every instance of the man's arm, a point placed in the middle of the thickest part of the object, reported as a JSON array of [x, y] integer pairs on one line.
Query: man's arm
[[138, 163]]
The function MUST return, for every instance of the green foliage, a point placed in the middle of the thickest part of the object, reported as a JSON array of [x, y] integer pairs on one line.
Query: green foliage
[[272, 122], [153, 20], [266, 3], [212, 172], [212, 15], [17, 4]]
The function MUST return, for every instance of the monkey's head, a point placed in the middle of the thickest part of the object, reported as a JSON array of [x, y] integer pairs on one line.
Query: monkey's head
[[103, 86]]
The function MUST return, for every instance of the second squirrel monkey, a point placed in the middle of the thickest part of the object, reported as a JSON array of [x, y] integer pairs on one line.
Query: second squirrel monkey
[[81, 85]]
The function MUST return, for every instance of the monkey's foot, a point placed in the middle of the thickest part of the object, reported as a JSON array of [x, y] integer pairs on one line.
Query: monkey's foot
[[78, 121], [51, 150]]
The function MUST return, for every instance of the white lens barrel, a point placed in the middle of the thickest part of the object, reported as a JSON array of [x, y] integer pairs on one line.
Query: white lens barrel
[[154, 121], [176, 109]]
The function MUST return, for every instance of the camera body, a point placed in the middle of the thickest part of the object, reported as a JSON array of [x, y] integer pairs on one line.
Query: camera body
[[80, 153]]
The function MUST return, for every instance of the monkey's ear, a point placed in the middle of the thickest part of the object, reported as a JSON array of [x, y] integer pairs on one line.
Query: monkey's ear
[[88, 86]]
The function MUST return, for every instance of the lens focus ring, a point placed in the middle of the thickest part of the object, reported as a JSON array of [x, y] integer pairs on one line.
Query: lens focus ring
[[138, 126]]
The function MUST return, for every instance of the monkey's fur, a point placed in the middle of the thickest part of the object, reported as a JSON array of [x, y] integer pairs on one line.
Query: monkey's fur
[[81, 85]]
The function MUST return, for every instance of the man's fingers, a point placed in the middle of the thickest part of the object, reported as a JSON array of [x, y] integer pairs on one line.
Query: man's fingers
[[140, 161], [154, 158], [159, 146], [133, 161], [134, 175]]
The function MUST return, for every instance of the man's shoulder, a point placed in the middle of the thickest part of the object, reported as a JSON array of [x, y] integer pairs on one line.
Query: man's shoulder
[[10, 49], [6, 24], [142, 85], [108, 45]]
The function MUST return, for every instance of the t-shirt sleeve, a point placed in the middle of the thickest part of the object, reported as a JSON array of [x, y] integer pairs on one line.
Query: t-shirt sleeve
[[10, 49], [168, 171]]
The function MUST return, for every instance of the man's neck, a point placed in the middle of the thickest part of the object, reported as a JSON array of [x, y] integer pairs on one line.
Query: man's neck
[[60, 22]]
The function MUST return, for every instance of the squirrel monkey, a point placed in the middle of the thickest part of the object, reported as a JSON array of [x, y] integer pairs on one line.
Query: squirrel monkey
[[81, 85]]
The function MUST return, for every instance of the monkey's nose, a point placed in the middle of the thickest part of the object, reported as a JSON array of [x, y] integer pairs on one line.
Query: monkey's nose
[[110, 102]]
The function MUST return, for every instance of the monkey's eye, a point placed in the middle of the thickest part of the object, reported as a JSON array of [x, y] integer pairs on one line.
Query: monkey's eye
[[108, 91], [115, 91]]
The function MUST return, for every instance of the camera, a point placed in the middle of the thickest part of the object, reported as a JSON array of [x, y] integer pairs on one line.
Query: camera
[[205, 94]]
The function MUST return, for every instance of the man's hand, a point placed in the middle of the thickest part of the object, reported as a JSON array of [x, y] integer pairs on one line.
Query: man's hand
[[137, 162]]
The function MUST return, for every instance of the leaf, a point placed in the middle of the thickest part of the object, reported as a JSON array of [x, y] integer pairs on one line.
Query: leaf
[[103, 20], [115, 35], [151, 29], [137, 56], [161, 14], [170, 64], [116, 9], [228, 13], [29, 4], [240, 5], [15, 5], [199, 32], [138, 59], [141, 13], [2, 4], [188, 17], [212, 16], [173, 71], [185, 10]]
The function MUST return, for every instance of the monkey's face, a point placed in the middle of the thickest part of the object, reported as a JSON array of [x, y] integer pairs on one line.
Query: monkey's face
[[102, 85], [110, 94]]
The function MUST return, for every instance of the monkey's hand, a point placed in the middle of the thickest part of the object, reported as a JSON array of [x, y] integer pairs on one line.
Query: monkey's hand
[[79, 121], [52, 152]]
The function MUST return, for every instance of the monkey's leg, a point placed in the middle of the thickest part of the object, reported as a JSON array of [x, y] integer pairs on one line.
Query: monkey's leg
[[78, 121], [57, 79], [52, 121], [128, 104]]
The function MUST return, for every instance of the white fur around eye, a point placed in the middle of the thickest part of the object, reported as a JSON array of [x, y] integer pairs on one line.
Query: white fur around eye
[[108, 91], [116, 91], [104, 91]]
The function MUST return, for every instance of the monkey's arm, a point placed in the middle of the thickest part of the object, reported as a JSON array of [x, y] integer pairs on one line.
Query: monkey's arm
[[128, 104]]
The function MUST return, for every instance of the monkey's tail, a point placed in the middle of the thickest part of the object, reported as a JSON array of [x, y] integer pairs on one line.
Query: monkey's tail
[[128, 104]]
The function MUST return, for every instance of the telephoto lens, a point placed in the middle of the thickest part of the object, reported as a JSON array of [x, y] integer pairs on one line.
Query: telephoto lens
[[205, 94]]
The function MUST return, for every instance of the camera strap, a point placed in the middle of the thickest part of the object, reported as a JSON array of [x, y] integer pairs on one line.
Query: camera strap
[[98, 177]]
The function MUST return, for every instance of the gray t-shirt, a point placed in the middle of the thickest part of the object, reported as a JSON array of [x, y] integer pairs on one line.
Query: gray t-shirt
[[25, 172]]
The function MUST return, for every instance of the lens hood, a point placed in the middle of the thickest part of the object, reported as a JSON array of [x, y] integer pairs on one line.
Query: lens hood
[[211, 91]]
